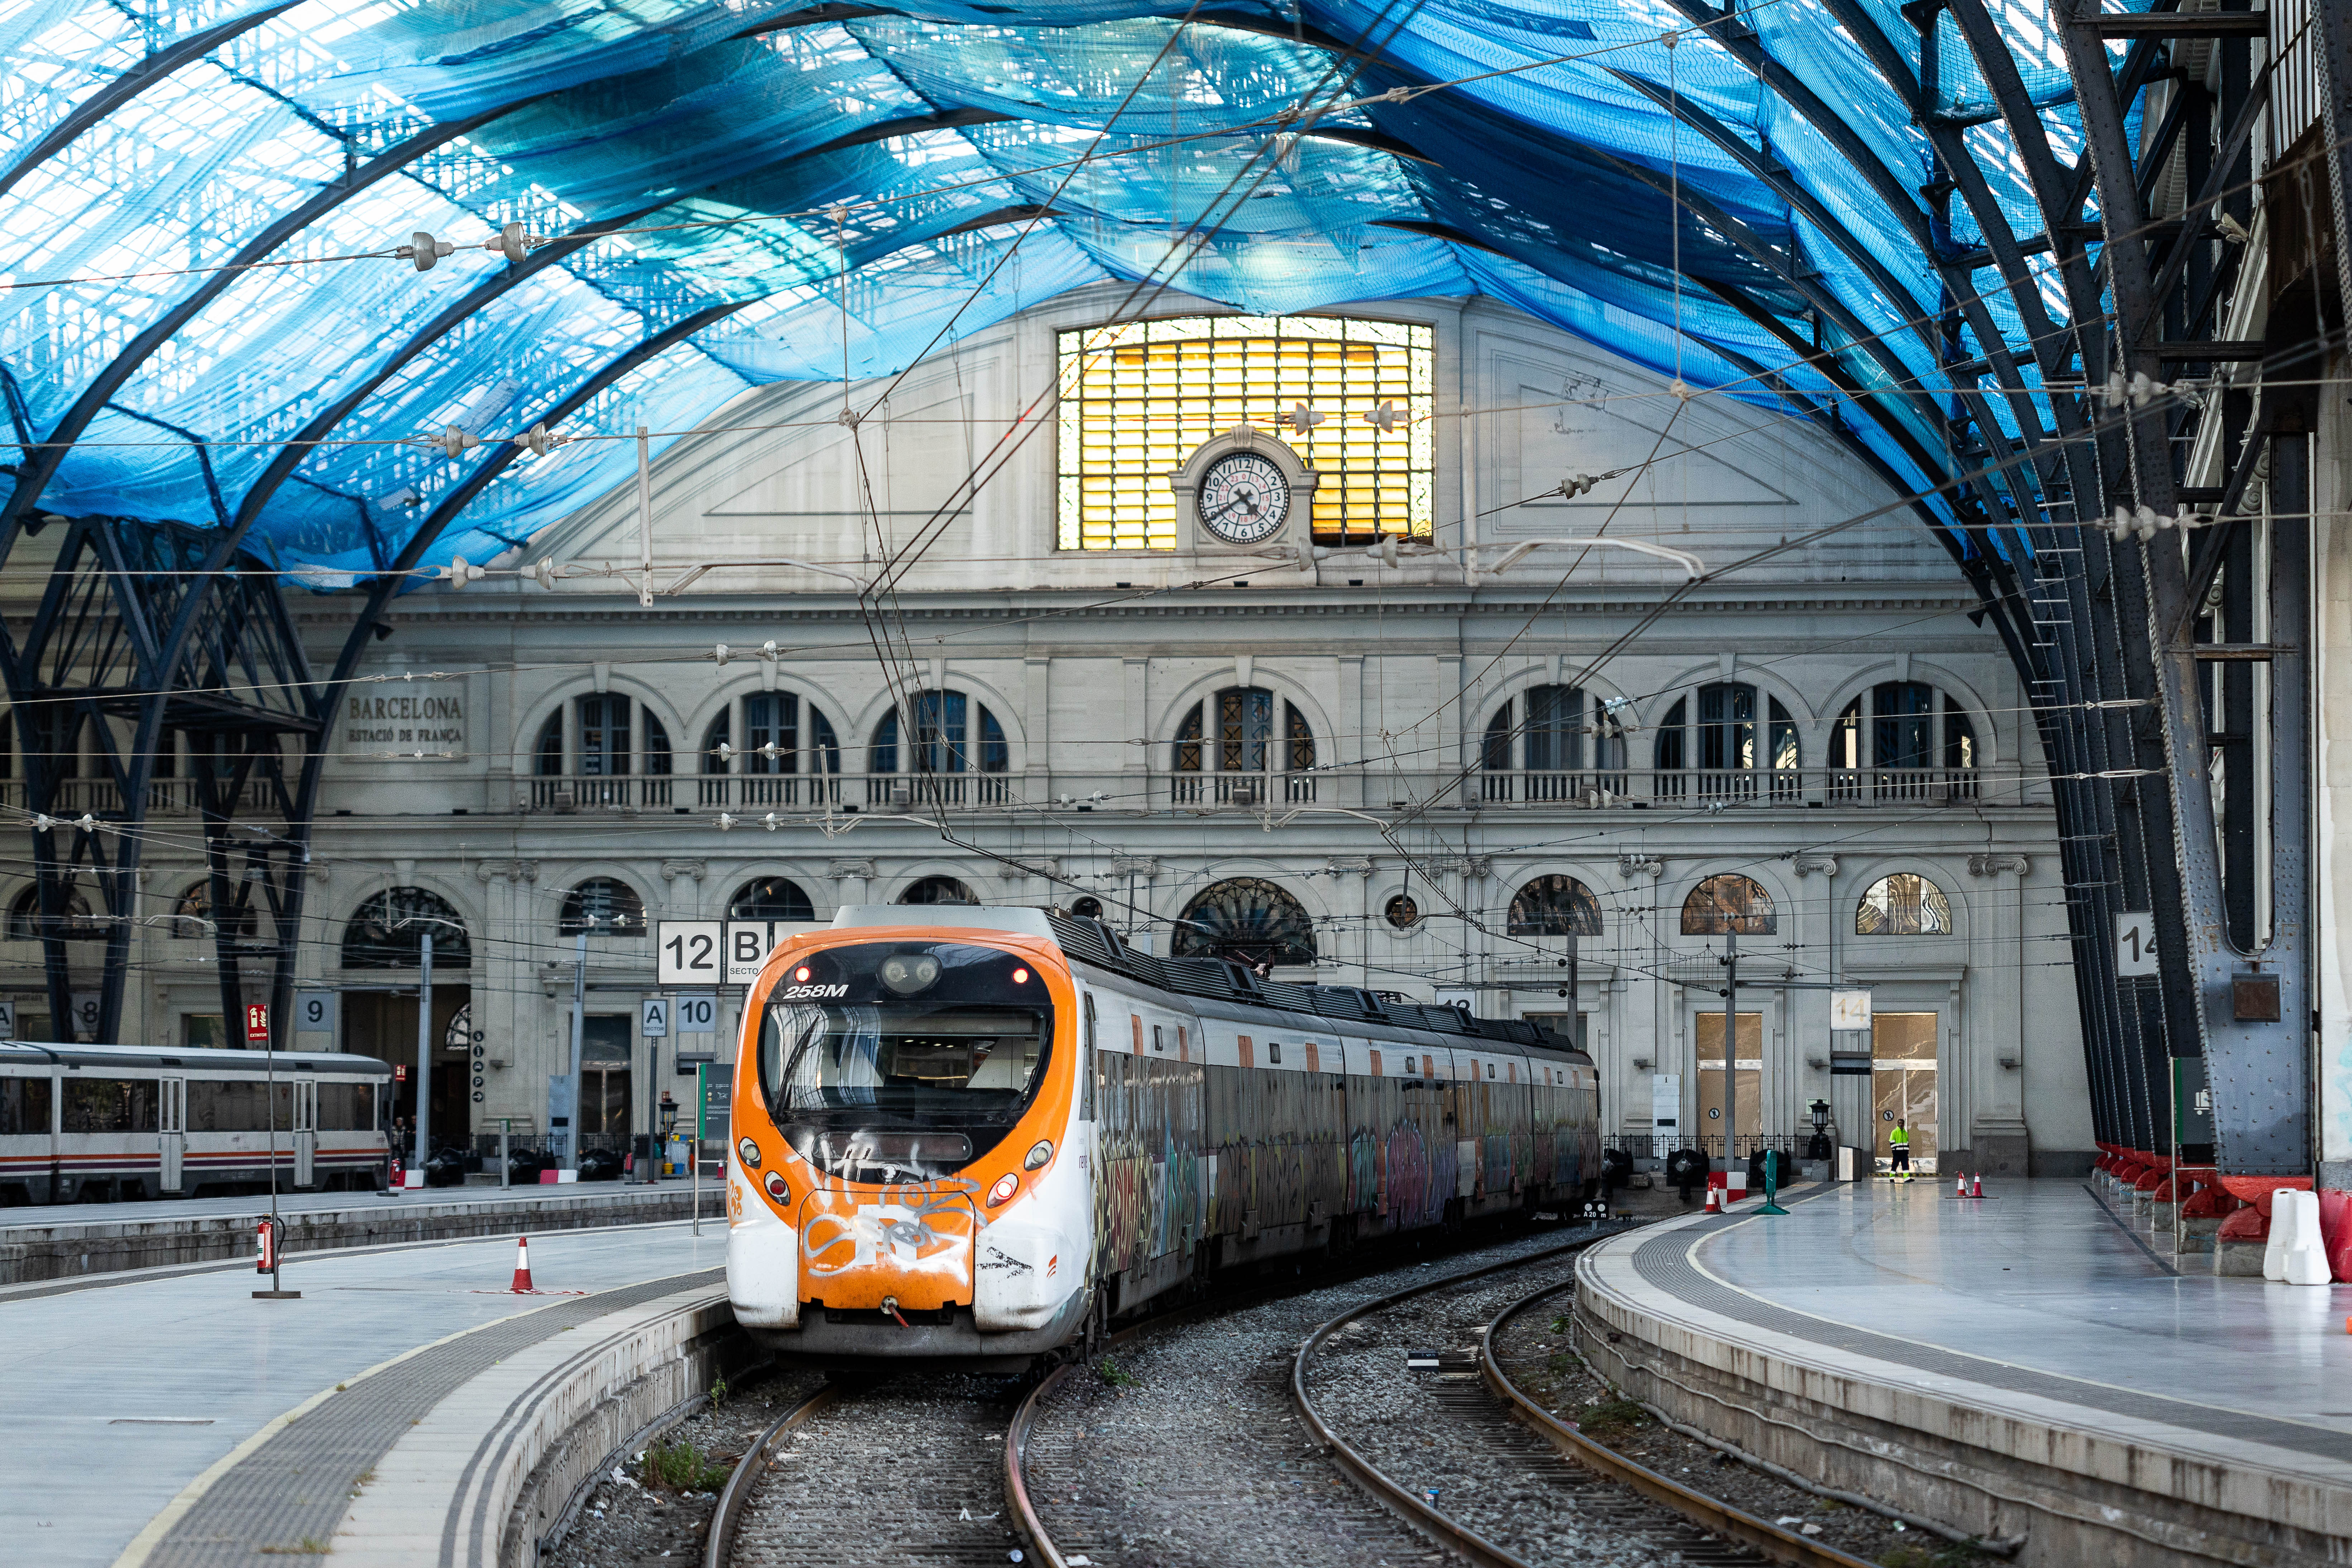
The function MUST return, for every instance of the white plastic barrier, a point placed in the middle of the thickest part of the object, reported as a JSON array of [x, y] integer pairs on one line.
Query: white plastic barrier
[[2306, 1250], [2283, 1219]]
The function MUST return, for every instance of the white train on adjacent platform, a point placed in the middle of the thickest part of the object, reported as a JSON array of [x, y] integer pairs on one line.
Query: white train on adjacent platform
[[124, 1121]]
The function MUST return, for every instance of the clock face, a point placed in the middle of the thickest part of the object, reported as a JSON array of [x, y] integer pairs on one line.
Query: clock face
[[1245, 498]]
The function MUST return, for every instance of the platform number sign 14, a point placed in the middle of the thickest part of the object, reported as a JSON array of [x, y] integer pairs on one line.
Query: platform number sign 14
[[2134, 944]]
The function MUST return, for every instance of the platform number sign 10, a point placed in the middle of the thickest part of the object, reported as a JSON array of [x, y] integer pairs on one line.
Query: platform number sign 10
[[2135, 944]]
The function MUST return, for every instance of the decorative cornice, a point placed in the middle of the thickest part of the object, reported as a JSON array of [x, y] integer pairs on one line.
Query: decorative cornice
[[1995, 865], [1808, 865], [508, 870], [860, 868], [1356, 865], [672, 870], [1632, 866], [1144, 866]]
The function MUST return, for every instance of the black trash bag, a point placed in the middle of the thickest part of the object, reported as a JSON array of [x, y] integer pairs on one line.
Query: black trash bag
[[1685, 1168], [600, 1165], [447, 1168], [1616, 1169], [523, 1166]]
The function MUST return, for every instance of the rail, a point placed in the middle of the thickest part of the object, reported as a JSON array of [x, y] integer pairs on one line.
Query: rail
[[1779, 1545], [719, 1545]]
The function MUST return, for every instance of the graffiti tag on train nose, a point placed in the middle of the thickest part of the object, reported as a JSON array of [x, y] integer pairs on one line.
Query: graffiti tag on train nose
[[894, 1234]]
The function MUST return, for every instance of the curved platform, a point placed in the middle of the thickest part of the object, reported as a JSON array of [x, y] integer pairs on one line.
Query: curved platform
[[175, 1420], [2018, 1366]]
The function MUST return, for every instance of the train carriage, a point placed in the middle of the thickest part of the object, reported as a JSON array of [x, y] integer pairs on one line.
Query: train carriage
[[979, 1134], [123, 1121]]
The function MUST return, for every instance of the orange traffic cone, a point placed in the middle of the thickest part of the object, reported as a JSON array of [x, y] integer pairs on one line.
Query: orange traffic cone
[[1977, 1191], [1714, 1198], [1959, 1186], [523, 1285]]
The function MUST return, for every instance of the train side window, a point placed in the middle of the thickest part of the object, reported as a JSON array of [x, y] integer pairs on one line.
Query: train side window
[[24, 1107], [1274, 1052], [1158, 1039], [110, 1105], [1086, 1064], [1490, 1070]]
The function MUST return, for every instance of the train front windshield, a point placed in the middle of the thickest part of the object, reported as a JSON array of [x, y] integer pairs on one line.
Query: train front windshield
[[889, 1061]]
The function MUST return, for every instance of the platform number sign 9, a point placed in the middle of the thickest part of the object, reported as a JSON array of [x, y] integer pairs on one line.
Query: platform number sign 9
[[2135, 944], [688, 952]]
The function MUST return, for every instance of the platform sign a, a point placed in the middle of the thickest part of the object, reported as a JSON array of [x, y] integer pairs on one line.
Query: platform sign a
[[2135, 944], [689, 953], [653, 1025]]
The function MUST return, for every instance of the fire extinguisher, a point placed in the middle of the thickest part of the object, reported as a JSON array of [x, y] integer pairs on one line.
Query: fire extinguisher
[[267, 1229]]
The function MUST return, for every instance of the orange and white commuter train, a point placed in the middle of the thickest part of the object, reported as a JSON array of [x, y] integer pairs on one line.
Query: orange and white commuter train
[[129, 1122], [978, 1133]]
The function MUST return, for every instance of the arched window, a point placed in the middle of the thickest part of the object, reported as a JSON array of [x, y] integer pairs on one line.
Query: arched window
[[1234, 733], [1555, 906], [1247, 919], [1726, 754], [600, 906], [1904, 904], [771, 899], [789, 753], [938, 890], [1728, 902], [1904, 740], [958, 754], [618, 755], [191, 916], [388, 933], [1543, 735], [74, 923]]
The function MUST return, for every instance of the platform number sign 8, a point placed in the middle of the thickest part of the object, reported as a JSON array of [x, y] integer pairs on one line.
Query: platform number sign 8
[[687, 953], [2134, 944]]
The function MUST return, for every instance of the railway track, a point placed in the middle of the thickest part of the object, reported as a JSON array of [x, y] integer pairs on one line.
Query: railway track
[[941, 1470], [902, 1471], [1453, 1446]]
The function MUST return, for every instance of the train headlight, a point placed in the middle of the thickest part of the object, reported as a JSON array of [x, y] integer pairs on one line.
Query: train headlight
[[908, 973], [1006, 1185], [1039, 1153], [776, 1188], [749, 1152]]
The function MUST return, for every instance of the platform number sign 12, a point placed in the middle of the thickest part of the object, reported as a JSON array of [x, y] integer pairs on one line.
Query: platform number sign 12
[[688, 952], [2134, 944]]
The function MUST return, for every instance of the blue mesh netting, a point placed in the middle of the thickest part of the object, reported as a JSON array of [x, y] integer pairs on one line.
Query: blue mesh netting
[[946, 127]]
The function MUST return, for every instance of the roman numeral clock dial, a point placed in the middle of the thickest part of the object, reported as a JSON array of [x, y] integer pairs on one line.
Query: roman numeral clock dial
[[1245, 498]]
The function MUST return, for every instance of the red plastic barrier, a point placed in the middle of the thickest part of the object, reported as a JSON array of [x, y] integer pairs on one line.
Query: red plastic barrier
[[2249, 1223], [2334, 1234]]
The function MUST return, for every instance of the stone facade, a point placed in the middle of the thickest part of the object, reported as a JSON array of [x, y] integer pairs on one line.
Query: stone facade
[[1088, 665]]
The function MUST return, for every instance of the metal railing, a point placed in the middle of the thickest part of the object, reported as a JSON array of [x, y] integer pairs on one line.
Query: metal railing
[[1362, 787]]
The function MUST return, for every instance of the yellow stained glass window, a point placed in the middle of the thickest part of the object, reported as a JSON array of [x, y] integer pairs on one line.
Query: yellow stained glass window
[[1136, 398]]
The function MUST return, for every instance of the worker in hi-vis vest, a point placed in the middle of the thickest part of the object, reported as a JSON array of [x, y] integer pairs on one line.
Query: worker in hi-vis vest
[[1898, 1143]]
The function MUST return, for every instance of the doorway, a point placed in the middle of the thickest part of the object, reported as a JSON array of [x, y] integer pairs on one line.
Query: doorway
[[1747, 1072], [1902, 1085], [383, 1025], [604, 1081]]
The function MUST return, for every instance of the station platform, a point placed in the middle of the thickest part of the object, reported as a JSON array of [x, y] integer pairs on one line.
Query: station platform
[[69, 1241], [175, 1421], [2021, 1367]]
